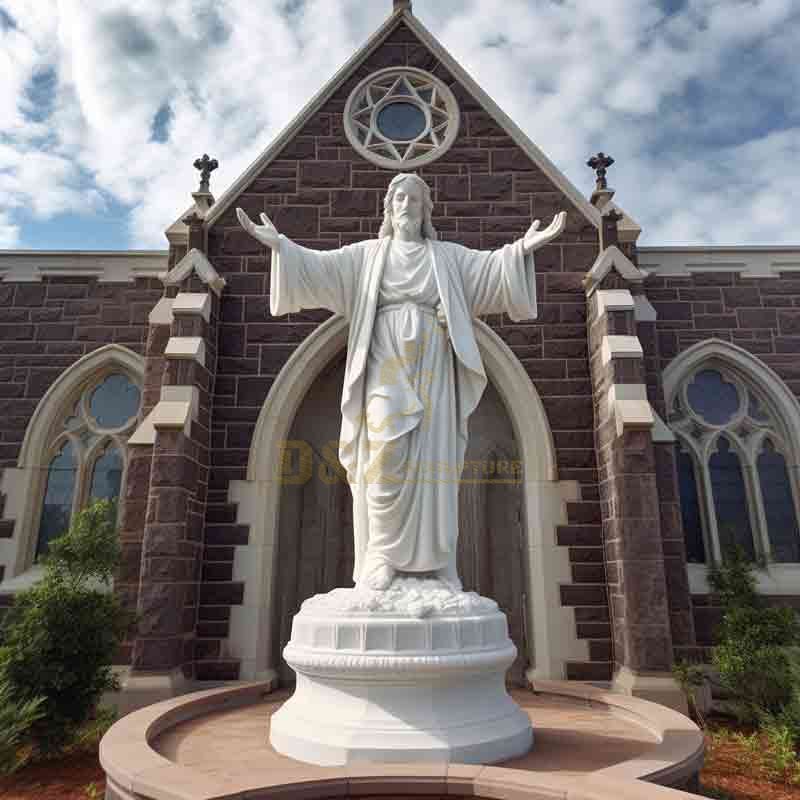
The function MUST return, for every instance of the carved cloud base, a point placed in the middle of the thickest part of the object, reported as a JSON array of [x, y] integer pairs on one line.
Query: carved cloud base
[[420, 678]]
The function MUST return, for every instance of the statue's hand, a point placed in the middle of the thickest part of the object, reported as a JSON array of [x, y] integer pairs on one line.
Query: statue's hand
[[266, 234], [535, 238]]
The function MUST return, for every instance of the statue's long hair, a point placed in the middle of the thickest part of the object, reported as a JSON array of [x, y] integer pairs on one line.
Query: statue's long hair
[[427, 230]]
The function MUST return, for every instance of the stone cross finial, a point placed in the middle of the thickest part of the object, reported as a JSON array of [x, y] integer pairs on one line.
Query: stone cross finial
[[400, 5], [600, 163], [206, 166]]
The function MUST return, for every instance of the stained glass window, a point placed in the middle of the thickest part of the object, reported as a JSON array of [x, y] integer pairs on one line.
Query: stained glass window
[[107, 475], [115, 401], [730, 500], [779, 507], [715, 400], [90, 463], [736, 488], [58, 496]]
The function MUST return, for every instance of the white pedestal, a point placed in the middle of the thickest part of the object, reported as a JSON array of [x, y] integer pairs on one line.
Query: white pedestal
[[391, 685]]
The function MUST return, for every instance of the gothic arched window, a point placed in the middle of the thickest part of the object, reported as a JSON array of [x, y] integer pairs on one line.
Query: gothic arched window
[[87, 451], [734, 456]]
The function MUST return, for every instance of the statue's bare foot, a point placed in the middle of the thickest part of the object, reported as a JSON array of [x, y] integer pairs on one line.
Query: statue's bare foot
[[380, 578]]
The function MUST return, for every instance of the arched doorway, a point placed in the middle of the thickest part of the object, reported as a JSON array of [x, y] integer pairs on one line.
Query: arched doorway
[[549, 627], [315, 532]]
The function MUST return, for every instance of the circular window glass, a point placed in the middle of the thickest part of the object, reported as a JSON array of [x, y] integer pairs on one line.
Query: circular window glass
[[401, 121], [401, 118], [114, 402]]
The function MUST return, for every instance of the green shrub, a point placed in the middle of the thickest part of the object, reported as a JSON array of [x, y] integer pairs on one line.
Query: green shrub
[[753, 655], [61, 635], [17, 718], [733, 581], [753, 661]]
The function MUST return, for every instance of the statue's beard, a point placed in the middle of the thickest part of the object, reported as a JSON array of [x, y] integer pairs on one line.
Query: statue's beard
[[408, 225]]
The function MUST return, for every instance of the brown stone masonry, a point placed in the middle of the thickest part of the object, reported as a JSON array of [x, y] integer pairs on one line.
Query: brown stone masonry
[[172, 544], [321, 193], [630, 503], [45, 327], [760, 315]]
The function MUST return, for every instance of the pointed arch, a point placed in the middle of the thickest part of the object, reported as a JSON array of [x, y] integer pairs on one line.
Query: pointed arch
[[767, 410], [752, 370], [551, 635], [63, 388], [24, 486]]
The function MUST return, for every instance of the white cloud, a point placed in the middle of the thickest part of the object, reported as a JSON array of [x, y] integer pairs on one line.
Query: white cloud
[[699, 106], [9, 232]]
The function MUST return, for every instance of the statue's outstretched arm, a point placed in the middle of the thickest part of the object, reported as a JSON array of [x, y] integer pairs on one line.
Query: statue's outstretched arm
[[266, 233], [535, 238]]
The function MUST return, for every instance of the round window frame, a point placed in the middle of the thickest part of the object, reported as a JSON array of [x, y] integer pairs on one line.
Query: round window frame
[[451, 109]]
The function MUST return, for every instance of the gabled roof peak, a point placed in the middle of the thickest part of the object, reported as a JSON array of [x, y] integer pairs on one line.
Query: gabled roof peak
[[402, 16]]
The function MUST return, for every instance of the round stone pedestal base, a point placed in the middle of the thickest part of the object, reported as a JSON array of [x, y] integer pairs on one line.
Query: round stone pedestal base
[[390, 687]]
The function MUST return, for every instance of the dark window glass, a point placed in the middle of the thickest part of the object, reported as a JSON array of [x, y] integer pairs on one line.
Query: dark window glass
[[690, 509], [114, 401], [57, 507], [779, 509], [401, 121], [730, 500], [712, 398], [107, 475]]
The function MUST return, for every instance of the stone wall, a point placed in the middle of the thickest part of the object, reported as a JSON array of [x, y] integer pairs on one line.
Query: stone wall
[[45, 327], [760, 315]]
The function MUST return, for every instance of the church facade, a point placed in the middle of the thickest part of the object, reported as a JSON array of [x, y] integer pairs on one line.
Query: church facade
[[647, 421]]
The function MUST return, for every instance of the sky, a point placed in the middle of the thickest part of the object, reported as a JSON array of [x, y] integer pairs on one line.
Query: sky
[[105, 104]]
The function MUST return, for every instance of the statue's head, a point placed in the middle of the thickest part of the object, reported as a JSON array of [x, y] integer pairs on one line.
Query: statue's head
[[408, 204]]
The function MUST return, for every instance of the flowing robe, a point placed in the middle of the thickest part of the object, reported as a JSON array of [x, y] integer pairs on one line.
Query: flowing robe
[[410, 384]]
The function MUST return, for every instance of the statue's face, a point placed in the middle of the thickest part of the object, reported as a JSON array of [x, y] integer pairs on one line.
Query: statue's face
[[408, 209]]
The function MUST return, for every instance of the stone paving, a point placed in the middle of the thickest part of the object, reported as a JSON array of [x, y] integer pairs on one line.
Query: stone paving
[[572, 737]]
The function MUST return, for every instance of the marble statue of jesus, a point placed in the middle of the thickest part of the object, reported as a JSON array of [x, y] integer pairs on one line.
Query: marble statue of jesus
[[413, 374]]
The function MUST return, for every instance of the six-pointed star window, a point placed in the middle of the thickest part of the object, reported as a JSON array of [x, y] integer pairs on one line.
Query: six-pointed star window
[[401, 117]]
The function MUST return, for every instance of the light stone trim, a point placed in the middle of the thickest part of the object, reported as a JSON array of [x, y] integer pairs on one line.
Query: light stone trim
[[376, 138], [176, 409], [620, 347], [24, 485], [629, 404], [749, 262], [192, 304], [661, 431], [551, 638], [552, 172], [124, 266], [191, 348], [614, 300], [611, 258], [162, 312], [194, 261], [135, 769], [644, 311], [169, 414]]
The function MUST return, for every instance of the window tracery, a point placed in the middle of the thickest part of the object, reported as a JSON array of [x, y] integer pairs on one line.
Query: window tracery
[[733, 460], [86, 456], [401, 118]]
